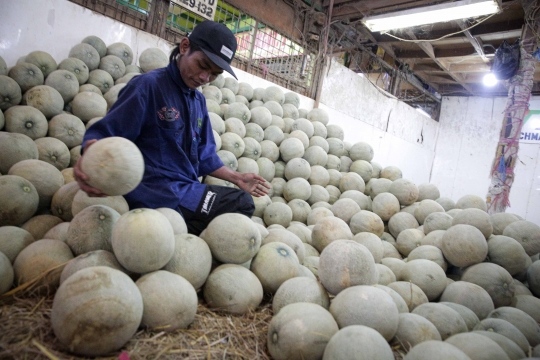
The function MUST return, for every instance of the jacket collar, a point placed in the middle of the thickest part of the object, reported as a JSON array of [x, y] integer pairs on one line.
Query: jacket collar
[[174, 72]]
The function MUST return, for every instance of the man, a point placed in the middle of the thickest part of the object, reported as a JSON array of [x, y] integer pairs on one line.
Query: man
[[164, 115]]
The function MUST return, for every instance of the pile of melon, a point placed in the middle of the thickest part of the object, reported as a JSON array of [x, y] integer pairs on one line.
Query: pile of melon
[[358, 261]]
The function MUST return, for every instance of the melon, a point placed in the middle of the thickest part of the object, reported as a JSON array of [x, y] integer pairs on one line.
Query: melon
[[58, 232], [297, 168], [505, 328], [290, 111], [269, 150], [471, 201], [471, 320], [67, 128], [153, 58], [246, 90], [115, 174], [319, 195], [87, 54], [385, 205], [46, 178], [335, 147], [526, 233], [362, 168], [366, 221], [329, 229], [113, 65], [278, 213], [104, 297], [408, 240], [528, 304], [19, 200], [101, 79], [411, 293], [192, 259], [533, 278], [427, 275], [90, 88], [501, 220], [65, 82], [446, 320], [39, 225], [351, 181], [143, 240], [478, 347], [10, 93], [358, 342], [300, 331], [112, 95], [386, 276], [367, 306], [300, 210], [40, 257], [227, 97], [91, 229], [167, 310], [297, 188], [43, 60], [26, 120], [274, 107], [13, 240], [511, 349], [6, 274], [90, 259], [361, 151], [231, 84], [121, 50], [77, 67], [470, 295], [233, 289], [61, 203], [238, 111], [53, 151], [316, 155], [126, 78], [428, 191], [508, 253], [300, 289], [318, 114], [414, 329], [26, 75], [447, 203], [477, 218], [3, 66], [391, 173], [219, 81], [401, 221], [46, 99], [319, 176], [520, 319], [234, 245], [464, 245], [274, 263], [372, 242], [345, 209], [429, 252], [434, 349], [288, 238]]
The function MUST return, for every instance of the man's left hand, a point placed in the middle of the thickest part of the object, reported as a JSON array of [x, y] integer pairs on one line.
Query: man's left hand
[[254, 184]]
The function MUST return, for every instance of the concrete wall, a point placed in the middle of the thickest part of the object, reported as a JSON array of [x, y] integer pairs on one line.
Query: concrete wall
[[455, 154]]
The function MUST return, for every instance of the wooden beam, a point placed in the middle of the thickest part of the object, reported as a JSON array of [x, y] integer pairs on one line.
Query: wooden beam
[[439, 53], [475, 42], [428, 49]]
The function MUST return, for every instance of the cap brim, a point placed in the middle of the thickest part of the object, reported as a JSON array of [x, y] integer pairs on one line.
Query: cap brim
[[219, 62]]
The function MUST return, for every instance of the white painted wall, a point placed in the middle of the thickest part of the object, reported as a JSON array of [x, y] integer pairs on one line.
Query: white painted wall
[[468, 136], [455, 154]]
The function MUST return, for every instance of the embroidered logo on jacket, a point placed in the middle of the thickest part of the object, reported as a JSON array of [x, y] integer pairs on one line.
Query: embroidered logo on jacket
[[168, 114]]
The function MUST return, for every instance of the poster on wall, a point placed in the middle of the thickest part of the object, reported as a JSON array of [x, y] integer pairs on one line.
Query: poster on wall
[[530, 132]]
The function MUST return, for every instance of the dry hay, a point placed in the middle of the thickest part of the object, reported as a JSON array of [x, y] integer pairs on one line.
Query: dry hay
[[26, 333]]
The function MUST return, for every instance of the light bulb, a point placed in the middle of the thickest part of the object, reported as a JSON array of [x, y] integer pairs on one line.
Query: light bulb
[[490, 80]]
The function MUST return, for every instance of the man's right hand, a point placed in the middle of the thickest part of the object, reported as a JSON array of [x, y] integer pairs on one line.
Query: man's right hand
[[81, 177]]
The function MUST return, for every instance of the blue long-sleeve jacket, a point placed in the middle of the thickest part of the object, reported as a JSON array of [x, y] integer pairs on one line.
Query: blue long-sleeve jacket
[[169, 123]]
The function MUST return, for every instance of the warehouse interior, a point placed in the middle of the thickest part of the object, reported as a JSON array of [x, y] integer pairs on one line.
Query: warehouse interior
[[417, 95]]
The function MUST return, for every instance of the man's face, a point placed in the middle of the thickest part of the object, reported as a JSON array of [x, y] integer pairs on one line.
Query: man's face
[[196, 68]]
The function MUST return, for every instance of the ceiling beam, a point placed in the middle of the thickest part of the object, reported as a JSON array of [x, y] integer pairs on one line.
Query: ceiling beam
[[475, 42], [439, 53], [428, 49]]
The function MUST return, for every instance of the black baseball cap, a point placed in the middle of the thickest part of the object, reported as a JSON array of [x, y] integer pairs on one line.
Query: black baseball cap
[[217, 42]]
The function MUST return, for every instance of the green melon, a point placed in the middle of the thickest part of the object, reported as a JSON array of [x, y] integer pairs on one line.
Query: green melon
[[67, 128], [53, 151], [526, 233], [10, 93], [368, 306], [102, 79], [121, 50], [46, 99], [26, 75], [44, 61], [274, 264], [469, 295], [104, 297], [13, 240], [414, 329], [434, 349], [233, 289], [391, 173], [77, 67], [46, 178], [153, 58], [90, 259], [18, 198], [246, 90], [3, 66], [97, 43], [26, 120], [87, 54]]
